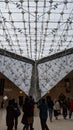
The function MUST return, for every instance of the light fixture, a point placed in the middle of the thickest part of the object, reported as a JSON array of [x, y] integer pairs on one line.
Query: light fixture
[[5, 97], [20, 92]]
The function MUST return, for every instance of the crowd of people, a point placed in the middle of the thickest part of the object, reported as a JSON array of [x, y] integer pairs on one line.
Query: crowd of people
[[46, 105]]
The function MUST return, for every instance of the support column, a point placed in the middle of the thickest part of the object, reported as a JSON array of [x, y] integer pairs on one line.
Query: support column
[[34, 89]]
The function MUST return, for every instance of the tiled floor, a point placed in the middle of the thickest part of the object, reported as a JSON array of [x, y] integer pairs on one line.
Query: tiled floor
[[59, 124]]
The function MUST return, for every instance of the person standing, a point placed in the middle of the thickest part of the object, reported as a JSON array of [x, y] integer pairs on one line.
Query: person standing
[[31, 112], [25, 110], [70, 109], [43, 114], [50, 107], [10, 115], [57, 109], [16, 115], [64, 108]]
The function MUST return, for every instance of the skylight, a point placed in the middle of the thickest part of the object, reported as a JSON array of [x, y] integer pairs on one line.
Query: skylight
[[36, 28]]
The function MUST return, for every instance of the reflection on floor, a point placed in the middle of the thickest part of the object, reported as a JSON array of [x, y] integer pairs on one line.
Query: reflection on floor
[[59, 124]]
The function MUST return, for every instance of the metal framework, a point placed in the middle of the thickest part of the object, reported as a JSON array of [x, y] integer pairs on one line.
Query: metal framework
[[15, 56], [55, 56], [36, 28], [36, 36]]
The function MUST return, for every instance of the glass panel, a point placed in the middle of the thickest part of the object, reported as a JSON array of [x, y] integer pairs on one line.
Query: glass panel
[[46, 24]]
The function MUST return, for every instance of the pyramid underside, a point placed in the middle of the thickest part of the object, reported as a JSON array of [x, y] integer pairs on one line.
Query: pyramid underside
[[49, 71]]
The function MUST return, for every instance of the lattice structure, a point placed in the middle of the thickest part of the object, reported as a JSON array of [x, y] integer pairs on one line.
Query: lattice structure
[[17, 71], [36, 28], [52, 72], [30, 31]]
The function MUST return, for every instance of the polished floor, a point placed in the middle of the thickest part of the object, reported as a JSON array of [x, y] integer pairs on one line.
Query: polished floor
[[59, 124]]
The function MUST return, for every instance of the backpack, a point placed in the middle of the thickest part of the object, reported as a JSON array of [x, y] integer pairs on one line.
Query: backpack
[[17, 112]]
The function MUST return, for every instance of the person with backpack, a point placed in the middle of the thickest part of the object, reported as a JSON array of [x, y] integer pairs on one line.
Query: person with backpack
[[17, 113]]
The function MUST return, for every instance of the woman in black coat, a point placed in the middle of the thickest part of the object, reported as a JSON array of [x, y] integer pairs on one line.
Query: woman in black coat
[[25, 114], [10, 115]]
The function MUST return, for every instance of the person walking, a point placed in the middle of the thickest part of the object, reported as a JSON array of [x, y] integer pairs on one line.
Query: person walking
[[43, 114]]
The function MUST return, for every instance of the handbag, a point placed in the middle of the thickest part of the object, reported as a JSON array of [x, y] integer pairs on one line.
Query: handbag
[[30, 120]]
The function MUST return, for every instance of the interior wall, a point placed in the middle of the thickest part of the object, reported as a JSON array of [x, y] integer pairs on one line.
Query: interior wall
[[60, 88], [10, 90]]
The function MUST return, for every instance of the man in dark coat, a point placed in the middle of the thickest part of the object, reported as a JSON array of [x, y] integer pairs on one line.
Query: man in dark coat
[[43, 114]]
